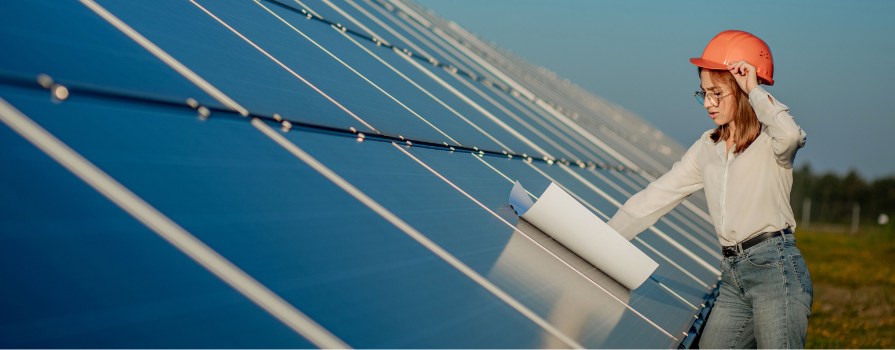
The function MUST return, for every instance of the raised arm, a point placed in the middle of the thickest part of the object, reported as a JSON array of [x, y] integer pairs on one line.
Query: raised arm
[[787, 136]]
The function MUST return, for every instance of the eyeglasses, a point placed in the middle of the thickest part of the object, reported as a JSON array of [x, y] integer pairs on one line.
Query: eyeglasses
[[713, 98]]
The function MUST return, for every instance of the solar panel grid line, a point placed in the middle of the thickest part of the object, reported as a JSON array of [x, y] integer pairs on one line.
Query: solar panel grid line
[[167, 229], [697, 210], [455, 44], [628, 144], [345, 15], [461, 57], [700, 260], [561, 98], [465, 99], [516, 86], [427, 92], [448, 107], [692, 222], [281, 64], [546, 124], [420, 68], [470, 38], [445, 51], [489, 210], [485, 112], [162, 55], [380, 89], [527, 126], [608, 136], [672, 292], [695, 224], [405, 39], [464, 55], [711, 251], [570, 91], [613, 184], [414, 34], [411, 44], [631, 184], [588, 136], [318, 15], [660, 167], [670, 261], [310, 14], [493, 73], [562, 130], [512, 115], [409, 230]]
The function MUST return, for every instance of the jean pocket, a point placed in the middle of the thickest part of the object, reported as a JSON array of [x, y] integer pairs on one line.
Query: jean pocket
[[801, 271], [767, 255]]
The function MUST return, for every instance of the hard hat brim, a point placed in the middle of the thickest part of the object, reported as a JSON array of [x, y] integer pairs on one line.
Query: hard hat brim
[[699, 62]]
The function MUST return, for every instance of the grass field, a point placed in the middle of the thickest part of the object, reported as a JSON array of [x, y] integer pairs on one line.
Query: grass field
[[854, 287]]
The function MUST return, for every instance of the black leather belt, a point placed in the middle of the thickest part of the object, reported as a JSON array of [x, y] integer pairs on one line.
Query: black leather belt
[[734, 250]]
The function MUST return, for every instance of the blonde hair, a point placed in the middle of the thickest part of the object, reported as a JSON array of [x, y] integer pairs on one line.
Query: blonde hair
[[748, 126]]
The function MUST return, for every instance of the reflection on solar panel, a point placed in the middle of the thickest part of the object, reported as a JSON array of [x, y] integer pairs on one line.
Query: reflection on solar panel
[[313, 173]]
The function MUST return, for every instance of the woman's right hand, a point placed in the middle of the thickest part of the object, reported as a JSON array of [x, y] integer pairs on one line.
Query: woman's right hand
[[744, 73]]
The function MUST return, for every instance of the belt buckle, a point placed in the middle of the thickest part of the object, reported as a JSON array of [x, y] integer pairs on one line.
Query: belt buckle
[[736, 248]]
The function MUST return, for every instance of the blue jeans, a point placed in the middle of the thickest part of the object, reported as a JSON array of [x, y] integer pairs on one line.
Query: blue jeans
[[764, 301]]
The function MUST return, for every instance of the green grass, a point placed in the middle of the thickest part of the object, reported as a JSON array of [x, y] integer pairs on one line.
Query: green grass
[[854, 287]]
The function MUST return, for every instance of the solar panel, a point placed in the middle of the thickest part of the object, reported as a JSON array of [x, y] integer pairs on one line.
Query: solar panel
[[312, 174]]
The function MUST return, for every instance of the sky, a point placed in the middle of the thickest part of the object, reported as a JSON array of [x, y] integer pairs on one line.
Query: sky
[[834, 62]]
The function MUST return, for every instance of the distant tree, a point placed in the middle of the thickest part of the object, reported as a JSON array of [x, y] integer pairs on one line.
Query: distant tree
[[833, 196]]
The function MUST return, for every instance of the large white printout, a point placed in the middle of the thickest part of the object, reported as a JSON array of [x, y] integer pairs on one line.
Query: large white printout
[[559, 215]]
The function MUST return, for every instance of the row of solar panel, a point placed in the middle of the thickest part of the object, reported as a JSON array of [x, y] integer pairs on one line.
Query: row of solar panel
[[416, 249]]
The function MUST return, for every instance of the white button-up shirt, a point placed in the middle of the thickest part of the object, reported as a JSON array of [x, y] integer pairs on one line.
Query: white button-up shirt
[[747, 193]]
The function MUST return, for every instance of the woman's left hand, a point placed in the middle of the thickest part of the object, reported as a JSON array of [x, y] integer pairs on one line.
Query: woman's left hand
[[744, 73]]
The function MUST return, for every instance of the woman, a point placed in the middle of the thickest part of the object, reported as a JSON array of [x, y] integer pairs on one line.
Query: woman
[[745, 166]]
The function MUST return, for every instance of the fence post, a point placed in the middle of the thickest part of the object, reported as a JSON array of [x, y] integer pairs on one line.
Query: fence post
[[806, 212], [855, 217]]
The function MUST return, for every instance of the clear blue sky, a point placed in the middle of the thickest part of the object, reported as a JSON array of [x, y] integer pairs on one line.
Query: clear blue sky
[[834, 62]]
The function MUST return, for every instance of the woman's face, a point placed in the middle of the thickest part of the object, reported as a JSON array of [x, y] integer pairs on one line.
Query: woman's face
[[721, 111]]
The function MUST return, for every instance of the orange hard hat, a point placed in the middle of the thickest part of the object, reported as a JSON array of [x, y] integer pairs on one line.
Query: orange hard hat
[[733, 45]]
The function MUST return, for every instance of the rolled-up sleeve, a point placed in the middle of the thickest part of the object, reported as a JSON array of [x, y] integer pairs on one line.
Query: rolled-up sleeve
[[787, 136], [643, 209]]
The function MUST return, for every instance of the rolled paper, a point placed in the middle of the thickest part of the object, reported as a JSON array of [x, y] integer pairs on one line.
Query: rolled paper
[[570, 223]]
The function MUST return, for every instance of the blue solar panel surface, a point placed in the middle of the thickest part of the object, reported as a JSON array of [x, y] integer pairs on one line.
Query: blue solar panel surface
[[354, 191]]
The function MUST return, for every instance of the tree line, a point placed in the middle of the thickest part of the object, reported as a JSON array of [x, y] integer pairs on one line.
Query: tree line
[[833, 197]]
